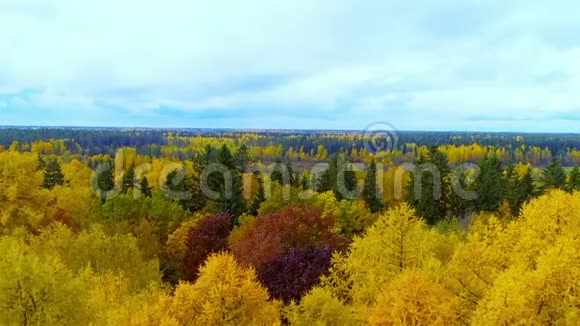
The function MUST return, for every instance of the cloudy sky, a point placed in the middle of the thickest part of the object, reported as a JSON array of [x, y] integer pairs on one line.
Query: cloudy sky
[[301, 64]]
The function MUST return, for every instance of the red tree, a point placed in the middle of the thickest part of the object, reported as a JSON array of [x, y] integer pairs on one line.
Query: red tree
[[209, 235], [291, 276], [274, 234]]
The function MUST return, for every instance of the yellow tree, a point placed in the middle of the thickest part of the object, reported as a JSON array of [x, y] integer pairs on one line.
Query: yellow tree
[[77, 174], [543, 221], [177, 241], [22, 202], [354, 154], [101, 253], [398, 240], [478, 261], [321, 152], [541, 284], [352, 217], [75, 201], [320, 307], [38, 290], [415, 297], [546, 294], [224, 294], [278, 197]]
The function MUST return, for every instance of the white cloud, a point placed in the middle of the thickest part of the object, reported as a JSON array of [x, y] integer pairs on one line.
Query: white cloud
[[462, 59]]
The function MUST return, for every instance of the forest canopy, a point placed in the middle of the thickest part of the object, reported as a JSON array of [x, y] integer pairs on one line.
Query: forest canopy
[[128, 227]]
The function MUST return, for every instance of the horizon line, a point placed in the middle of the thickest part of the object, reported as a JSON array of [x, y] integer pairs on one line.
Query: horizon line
[[55, 127]]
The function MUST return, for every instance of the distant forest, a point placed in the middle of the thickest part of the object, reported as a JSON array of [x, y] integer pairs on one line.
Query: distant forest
[[534, 148]]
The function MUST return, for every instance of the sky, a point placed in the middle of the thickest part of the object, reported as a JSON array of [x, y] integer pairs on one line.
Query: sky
[[302, 64]]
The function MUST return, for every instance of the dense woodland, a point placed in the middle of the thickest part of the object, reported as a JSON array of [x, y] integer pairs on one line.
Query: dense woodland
[[297, 145], [91, 233]]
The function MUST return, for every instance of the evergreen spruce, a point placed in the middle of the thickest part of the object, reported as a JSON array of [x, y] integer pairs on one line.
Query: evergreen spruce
[[41, 163], [293, 178], [52, 174], [350, 181], [524, 191], [235, 203], [511, 183], [517, 189], [242, 158], [370, 192], [187, 185], [553, 176], [226, 158], [459, 206], [277, 174], [259, 196], [144, 187], [105, 180], [328, 179], [426, 205], [128, 180], [574, 179], [489, 184]]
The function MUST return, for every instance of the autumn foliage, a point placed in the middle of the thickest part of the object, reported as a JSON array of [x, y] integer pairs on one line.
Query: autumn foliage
[[291, 276], [70, 259], [273, 235], [224, 294], [207, 236], [414, 298]]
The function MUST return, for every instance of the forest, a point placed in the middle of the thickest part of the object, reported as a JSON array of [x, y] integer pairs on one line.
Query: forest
[[247, 227]]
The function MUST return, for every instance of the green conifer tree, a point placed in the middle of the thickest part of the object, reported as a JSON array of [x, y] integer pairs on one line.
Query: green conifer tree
[[553, 176], [524, 191], [242, 158], [41, 163], [52, 174], [233, 203], [128, 180], [144, 187], [105, 180], [489, 185], [293, 178], [277, 174], [574, 179], [370, 193], [432, 174], [259, 196]]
